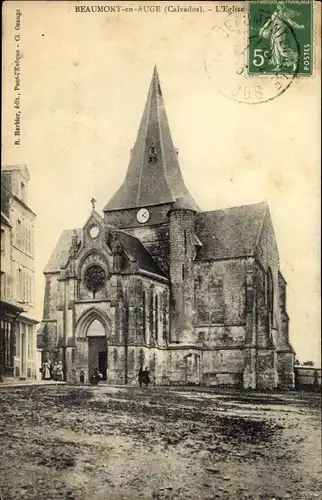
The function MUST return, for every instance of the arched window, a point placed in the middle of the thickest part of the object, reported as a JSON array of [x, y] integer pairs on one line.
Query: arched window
[[165, 306], [94, 278], [141, 357], [270, 293], [144, 315], [152, 153], [156, 317], [216, 300]]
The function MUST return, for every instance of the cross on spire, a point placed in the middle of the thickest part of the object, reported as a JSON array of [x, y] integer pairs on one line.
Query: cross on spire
[[93, 201]]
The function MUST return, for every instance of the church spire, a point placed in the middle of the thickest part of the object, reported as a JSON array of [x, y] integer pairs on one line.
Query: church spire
[[153, 176]]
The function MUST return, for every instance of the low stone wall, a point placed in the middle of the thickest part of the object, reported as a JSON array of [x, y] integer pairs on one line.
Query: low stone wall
[[307, 378]]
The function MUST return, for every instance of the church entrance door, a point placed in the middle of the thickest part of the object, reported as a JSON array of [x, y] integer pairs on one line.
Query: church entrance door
[[97, 348], [97, 355]]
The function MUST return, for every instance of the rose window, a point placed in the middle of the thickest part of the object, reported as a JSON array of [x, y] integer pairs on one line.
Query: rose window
[[94, 278]]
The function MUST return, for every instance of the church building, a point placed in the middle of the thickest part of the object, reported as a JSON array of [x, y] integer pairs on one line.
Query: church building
[[197, 297]]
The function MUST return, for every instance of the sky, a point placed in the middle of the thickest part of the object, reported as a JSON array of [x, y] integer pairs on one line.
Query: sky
[[84, 82]]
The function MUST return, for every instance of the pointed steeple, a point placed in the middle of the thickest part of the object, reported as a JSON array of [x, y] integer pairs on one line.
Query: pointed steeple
[[153, 176]]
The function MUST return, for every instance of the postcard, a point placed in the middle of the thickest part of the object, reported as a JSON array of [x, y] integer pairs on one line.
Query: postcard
[[160, 250]]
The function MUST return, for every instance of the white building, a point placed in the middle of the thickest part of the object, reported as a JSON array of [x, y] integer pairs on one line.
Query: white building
[[18, 275]]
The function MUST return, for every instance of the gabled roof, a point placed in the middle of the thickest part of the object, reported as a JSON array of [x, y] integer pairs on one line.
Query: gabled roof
[[153, 176], [231, 232], [139, 253], [95, 217], [133, 247], [60, 254]]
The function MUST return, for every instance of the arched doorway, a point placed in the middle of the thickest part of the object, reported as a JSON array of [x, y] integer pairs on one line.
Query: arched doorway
[[97, 348]]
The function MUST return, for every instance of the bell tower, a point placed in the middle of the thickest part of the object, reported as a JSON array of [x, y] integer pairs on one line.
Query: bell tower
[[153, 177], [153, 181]]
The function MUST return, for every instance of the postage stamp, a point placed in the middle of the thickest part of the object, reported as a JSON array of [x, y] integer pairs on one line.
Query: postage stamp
[[226, 63], [280, 37]]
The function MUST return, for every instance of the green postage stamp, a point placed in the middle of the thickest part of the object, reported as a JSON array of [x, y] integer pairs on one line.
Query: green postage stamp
[[280, 37]]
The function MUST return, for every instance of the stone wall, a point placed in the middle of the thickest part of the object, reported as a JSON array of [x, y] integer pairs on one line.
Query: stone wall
[[156, 241], [307, 378], [219, 293], [285, 369], [223, 367], [266, 371], [125, 219]]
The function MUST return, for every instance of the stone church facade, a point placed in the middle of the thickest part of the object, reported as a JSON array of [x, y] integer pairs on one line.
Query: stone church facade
[[198, 297]]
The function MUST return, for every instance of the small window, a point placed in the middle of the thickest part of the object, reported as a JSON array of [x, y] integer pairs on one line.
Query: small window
[[217, 301], [144, 315], [3, 242], [8, 286], [164, 314], [270, 293], [28, 245], [23, 191], [17, 339], [20, 274], [152, 153], [18, 233], [3, 284], [156, 317], [30, 341]]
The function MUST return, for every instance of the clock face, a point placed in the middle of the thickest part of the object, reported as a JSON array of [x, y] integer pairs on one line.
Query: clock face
[[94, 231], [143, 215]]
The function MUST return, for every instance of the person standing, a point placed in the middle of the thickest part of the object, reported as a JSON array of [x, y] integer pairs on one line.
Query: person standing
[[50, 367], [54, 373], [146, 376], [60, 371], [47, 375], [140, 376]]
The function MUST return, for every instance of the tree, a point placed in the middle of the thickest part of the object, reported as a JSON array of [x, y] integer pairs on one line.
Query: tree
[[308, 363], [297, 362]]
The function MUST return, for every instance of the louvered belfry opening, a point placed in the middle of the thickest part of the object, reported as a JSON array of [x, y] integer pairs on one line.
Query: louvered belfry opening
[[153, 176]]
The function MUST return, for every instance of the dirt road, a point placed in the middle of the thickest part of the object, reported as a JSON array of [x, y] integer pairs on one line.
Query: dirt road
[[158, 443]]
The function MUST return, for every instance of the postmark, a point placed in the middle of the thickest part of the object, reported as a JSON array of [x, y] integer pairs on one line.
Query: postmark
[[226, 64], [280, 37]]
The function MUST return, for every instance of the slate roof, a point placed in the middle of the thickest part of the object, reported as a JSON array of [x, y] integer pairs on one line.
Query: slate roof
[[157, 181], [130, 243], [230, 232], [139, 253], [60, 254], [223, 234]]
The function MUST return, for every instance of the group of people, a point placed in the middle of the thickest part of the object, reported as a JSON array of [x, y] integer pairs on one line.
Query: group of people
[[95, 376], [143, 376], [52, 371], [55, 371]]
